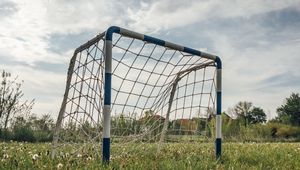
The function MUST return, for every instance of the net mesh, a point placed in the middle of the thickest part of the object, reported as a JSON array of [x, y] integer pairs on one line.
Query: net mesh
[[158, 94]]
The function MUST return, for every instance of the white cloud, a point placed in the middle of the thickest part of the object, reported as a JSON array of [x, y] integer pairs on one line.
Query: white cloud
[[168, 14], [26, 31], [27, 27], [25, 34]]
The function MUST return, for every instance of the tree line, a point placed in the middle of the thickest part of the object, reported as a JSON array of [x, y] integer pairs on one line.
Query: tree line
[[250, 122], [246, 121]]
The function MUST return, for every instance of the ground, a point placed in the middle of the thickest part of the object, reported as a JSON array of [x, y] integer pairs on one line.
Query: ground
[[172, 156]]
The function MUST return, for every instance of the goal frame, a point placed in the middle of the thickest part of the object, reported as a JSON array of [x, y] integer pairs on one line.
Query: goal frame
[[108, 81]]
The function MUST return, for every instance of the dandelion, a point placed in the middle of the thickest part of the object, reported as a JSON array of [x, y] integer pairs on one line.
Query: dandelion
[[59, 166], [113, 157], [5, 156], [89, 158], [35, 157]]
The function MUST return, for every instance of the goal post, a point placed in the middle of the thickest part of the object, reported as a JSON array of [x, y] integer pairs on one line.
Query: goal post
[[165, 88]]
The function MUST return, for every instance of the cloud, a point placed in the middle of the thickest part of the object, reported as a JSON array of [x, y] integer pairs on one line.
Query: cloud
[[63, 43], [24, 32], [7, 8], [258, 41], [168, 14], [260, 58], [282, 80]]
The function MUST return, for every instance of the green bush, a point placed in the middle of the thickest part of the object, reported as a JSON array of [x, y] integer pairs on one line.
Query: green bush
[[5, 135], [24, 134], [234, 131], [43, 136], [284, 131], [256, 132]]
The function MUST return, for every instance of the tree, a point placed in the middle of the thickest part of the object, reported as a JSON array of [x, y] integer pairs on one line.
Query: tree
[[249, 114], [289, 112], [257, 115], [10, 99], [45, 123], [242, 110]]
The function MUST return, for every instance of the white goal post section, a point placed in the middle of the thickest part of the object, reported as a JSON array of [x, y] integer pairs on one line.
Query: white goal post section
[[105, 94]]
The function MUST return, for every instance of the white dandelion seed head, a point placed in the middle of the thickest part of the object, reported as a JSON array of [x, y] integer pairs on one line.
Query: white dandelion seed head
[[35, 157], [5, 156], [59, 166]]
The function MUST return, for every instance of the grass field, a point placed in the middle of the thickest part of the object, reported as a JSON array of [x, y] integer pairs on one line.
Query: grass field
[[172, 156]]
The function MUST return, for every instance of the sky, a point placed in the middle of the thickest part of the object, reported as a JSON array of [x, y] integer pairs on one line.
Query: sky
[[258, 42]]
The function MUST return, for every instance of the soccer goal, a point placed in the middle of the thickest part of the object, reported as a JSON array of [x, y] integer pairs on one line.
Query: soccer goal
[[126, 87]]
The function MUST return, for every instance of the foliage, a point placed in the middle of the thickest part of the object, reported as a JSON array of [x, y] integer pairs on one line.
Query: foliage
[[257, 115], [248, 114], [230, 127], [151, 124], [289, 112], [124, 126], [16, 121], [30, 128], [10, 100], [242, 110], [283, 131], [24, 133], [233, 131]]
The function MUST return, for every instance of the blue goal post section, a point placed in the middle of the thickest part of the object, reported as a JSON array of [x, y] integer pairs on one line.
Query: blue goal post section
[[108, 45]]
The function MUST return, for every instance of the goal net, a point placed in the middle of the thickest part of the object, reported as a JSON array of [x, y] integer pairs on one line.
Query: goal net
[[123, 86]]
